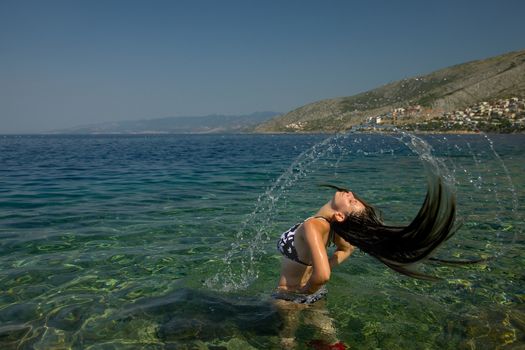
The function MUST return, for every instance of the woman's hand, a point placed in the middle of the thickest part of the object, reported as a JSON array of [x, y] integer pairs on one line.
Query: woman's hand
[[344, 250]]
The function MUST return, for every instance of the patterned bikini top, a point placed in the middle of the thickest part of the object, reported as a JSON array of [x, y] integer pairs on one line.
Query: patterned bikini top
[[286, 243]]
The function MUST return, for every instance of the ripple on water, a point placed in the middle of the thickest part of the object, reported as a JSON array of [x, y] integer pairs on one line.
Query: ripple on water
[[105, 242]]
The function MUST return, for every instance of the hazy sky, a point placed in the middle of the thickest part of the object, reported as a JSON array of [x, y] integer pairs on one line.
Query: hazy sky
[[68, 63]]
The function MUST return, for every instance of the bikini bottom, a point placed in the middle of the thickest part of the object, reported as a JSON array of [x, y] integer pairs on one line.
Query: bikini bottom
[[299, 298]]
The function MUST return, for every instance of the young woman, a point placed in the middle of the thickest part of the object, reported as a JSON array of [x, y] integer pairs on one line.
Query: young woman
[[347, 221]]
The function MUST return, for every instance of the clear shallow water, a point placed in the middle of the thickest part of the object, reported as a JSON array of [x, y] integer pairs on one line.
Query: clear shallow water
[[115, 242]]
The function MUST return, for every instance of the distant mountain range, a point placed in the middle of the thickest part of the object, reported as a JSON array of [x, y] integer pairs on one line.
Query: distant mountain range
[[443, 91], [176, 125]]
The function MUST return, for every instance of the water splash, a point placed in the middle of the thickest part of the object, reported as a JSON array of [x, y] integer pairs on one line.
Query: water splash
[[241, 263], [247, 252]]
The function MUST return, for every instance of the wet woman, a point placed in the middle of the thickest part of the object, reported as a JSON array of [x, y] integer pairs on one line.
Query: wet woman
[[348, 222]]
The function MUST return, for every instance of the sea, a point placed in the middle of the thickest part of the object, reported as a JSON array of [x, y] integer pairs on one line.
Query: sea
[[169, 241]]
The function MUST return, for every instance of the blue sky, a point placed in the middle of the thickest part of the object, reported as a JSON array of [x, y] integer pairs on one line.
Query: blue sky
[[68, 63]]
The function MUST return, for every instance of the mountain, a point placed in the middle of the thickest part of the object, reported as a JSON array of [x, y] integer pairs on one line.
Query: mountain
[[175, 125], [440, 92]]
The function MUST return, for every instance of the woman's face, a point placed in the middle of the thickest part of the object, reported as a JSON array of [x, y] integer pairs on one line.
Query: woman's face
[[346, 203]]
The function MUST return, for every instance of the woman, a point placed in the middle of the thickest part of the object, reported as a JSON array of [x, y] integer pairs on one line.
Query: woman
[[347, 221]]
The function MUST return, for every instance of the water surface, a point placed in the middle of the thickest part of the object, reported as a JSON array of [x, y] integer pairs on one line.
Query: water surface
[[121, 242]]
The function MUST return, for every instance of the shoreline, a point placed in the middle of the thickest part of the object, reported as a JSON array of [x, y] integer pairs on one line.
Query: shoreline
[[317, 132]]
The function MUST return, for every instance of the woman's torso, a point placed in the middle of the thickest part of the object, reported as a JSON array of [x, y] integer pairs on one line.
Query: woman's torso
[[295, 274]]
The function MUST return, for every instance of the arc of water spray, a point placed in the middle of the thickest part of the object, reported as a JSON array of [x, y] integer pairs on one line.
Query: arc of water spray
[[249, 251], [415, 144]]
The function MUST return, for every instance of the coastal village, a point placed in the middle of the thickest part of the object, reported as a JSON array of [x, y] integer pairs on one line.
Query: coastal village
[[503, 115]]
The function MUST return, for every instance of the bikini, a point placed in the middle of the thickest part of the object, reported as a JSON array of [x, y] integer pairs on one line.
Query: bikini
[[286, 243], [299, 298], [286, 246]]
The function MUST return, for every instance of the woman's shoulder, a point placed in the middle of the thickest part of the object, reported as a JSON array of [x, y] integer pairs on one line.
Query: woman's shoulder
[[317, 224]]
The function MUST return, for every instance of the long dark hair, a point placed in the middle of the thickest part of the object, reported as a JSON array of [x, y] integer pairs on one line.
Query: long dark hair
[[399, 247]]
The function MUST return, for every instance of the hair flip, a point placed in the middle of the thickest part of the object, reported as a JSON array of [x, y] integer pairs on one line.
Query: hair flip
[[399, 247]]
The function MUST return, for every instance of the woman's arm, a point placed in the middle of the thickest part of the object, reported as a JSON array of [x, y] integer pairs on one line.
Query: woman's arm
[[313, 233], [344, 250]]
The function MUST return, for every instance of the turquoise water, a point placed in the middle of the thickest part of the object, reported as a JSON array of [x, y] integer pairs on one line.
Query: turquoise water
[[168, 242]]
